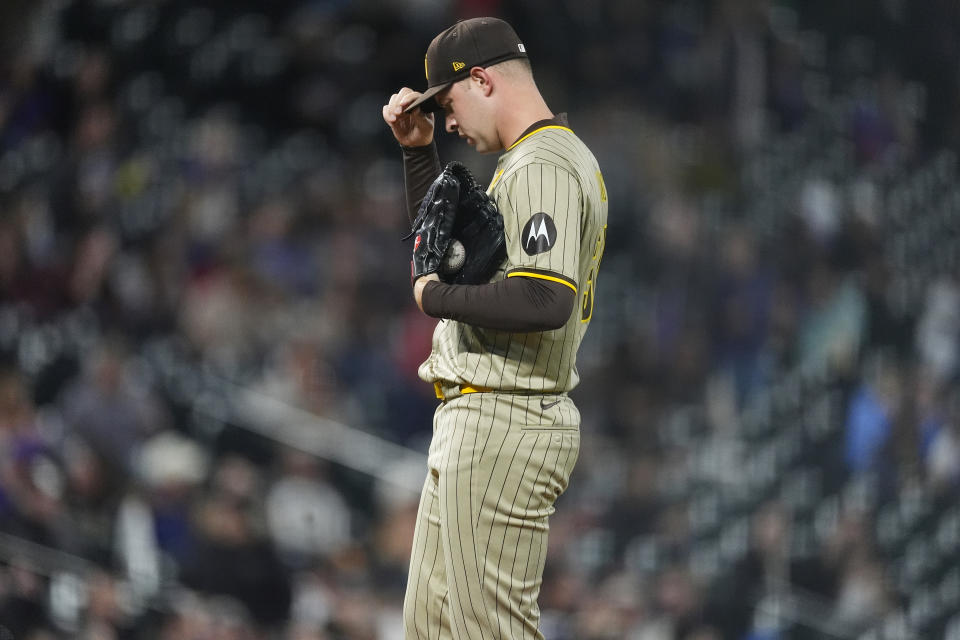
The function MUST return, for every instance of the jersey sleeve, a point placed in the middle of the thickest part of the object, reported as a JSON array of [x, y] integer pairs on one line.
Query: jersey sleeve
[[540, 204]]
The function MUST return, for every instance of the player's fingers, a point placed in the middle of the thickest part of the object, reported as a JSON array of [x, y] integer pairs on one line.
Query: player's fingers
[[400, 97], [408, 98], [392, 113], [395, 97], [397, 103], [391, 106]]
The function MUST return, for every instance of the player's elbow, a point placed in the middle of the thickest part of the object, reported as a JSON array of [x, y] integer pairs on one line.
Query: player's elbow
[[550, 303], [560, 311]]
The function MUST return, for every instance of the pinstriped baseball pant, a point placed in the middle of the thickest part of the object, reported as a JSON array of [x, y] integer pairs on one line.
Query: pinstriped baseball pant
[[497, 464]]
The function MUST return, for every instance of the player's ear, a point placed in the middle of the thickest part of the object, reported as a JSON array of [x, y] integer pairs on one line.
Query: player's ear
[[483, 80]]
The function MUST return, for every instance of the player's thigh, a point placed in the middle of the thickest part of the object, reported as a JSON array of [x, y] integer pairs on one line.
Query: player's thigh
[[517, 455], [503, 468], [504, 464], [425, 606], [488, 443], [521, 486]]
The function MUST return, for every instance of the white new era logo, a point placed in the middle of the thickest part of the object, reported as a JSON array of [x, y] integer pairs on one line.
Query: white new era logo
[[521, 47]]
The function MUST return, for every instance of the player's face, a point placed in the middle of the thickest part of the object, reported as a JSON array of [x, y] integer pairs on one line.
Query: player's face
[[466, 114]]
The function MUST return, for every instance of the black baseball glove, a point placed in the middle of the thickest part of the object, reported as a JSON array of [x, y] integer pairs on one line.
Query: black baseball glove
[[457, 208]]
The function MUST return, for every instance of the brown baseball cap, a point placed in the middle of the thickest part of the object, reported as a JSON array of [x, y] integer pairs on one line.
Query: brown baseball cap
[[477, 42]]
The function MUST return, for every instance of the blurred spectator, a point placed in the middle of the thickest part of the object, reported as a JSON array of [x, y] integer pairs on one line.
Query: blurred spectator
[[940, 437], [833, 324], [85, 197], [560, 601], [172, 468], [636, 508], [22, 280], [279, 258], [352, 617], [938, 330], [676, 608], [820, 573], [32, 477], [744, 55], [104, 617], [863, 595], [93, 492], [820, 209], [22, 595], [195, 617], [874, 409], [212, 202], [608, 613], [17, 413], [764, 569], [299, 373], [232, 558], [111, 407], [313, 600], [95, 251], [743, 291], [307, 518], [217, 313], [305, 632], [943, 459]]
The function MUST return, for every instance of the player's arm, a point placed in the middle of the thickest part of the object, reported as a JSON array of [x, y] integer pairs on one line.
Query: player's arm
[[531, 298], [519, 304], [540, 205], [421, 166], [414, 132]]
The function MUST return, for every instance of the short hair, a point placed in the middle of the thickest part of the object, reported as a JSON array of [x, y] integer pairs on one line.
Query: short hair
[[515, 68]]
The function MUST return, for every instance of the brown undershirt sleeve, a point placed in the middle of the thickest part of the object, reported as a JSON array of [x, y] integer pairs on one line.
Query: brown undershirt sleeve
[[516, 304], [421, 166]]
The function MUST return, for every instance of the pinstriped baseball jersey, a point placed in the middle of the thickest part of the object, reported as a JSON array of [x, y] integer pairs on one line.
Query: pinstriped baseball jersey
[[550, 191]]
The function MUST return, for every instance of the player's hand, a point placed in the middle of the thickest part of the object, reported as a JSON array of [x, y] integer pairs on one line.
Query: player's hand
[[414, 129], [419, 285]]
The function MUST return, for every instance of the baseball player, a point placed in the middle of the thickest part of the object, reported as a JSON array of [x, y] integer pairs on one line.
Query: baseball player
[[506, 434]]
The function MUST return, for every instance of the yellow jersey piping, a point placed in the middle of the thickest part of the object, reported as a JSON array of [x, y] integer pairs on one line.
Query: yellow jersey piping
[[549, 126], [530, 274]]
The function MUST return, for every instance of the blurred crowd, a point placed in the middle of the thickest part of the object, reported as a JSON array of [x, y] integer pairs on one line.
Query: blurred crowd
[[214, 183]]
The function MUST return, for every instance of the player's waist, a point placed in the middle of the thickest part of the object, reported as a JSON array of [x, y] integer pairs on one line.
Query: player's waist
[[449, 390], [445, 390]]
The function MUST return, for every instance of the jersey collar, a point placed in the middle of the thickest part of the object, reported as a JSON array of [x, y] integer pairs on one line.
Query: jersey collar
[[558, 121]]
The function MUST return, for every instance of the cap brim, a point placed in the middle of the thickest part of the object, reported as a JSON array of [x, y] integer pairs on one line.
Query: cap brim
[[426, 101]]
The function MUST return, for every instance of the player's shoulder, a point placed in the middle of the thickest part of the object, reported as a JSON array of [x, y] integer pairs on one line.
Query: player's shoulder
[[553, 146], [552, 142]]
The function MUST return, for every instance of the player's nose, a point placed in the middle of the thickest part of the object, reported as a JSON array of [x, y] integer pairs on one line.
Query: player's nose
[[451, 124]]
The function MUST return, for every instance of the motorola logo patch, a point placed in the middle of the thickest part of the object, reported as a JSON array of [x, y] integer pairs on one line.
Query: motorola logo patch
[[539, 234]]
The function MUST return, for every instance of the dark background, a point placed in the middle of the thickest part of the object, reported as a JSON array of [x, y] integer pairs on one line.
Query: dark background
[[200, 204]]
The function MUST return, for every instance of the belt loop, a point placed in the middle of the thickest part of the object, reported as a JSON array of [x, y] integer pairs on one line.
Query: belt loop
[[445, 392], [449, 392]]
